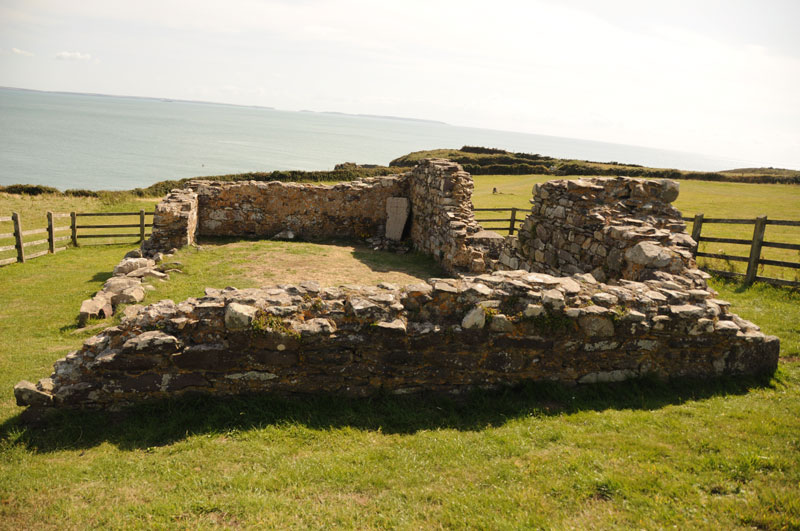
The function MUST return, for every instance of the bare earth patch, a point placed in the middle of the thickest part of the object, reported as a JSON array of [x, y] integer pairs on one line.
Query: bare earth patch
[[269, 262]]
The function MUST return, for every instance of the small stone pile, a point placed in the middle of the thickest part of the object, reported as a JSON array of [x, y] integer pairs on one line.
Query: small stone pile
[[609, 227], [126, 285], [445, 335]]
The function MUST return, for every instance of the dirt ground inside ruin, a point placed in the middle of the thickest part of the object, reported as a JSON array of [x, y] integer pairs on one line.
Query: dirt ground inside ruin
[[262, 262]]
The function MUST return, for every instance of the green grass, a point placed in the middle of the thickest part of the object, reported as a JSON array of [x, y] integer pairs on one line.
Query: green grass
[[708, 455]]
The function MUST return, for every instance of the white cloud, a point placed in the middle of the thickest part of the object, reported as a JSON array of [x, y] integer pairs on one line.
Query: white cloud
[[26, 53], [73, 56]]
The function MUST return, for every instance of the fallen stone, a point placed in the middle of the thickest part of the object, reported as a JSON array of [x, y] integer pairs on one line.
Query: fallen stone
[[28, 395], [147, 272], [131, 264], [116, 285], [129, 296], [96, 308]]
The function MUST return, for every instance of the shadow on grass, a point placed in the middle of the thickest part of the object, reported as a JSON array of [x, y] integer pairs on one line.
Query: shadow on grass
[[100, 276], [164, 422]]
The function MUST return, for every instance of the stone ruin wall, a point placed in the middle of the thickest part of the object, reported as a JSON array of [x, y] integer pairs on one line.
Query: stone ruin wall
[[439, 193], [613, 228], [174, 222], [355, 210], [447, 335], [442, 217], [654, 315]]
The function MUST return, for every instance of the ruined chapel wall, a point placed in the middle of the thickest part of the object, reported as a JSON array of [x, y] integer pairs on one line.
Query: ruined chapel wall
[[442, 218], [614, 228], [355, 209], [174, 222], [447, 335]]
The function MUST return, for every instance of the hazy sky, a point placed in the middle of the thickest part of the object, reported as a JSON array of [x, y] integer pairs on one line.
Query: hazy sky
[[715, 77]]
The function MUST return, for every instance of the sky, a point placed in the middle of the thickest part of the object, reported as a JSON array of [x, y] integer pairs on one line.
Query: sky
[[717, 77]]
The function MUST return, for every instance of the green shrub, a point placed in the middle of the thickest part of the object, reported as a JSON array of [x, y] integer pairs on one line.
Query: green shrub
[[29, 189]]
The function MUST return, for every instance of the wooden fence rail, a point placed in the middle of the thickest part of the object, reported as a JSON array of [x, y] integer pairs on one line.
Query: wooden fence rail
[[511, 227], [757, 243], [21, 246]]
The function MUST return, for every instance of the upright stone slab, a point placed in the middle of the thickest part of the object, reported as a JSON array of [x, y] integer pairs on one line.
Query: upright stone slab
[[397, 209]]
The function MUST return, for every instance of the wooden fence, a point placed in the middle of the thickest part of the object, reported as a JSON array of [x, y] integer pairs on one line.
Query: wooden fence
[[757, 243], [509, 223], [75, 229]]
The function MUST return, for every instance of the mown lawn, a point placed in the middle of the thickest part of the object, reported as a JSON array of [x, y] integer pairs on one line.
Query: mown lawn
[[708, 455]]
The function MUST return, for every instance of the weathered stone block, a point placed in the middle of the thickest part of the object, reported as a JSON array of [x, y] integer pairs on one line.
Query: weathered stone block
[[397, 210]]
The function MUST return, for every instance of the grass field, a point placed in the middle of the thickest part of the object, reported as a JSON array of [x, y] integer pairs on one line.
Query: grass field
[[707, 455]]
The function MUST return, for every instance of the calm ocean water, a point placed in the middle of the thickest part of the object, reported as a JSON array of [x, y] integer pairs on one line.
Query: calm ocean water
[[112, 143]]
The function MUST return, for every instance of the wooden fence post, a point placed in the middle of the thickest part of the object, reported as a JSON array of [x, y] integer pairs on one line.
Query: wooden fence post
[[141, 225], [74, 227], [51, 241], [18, 237], [755, 250], [697, 226], [513, 219]]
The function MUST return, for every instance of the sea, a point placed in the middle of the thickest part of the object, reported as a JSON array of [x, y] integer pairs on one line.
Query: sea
[[98, 142]]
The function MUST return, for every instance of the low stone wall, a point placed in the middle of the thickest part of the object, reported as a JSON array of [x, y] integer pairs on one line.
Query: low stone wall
[[316, 212], [446, 335]]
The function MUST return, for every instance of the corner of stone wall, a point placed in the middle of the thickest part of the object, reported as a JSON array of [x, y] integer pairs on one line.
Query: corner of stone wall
[[174, 222]]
